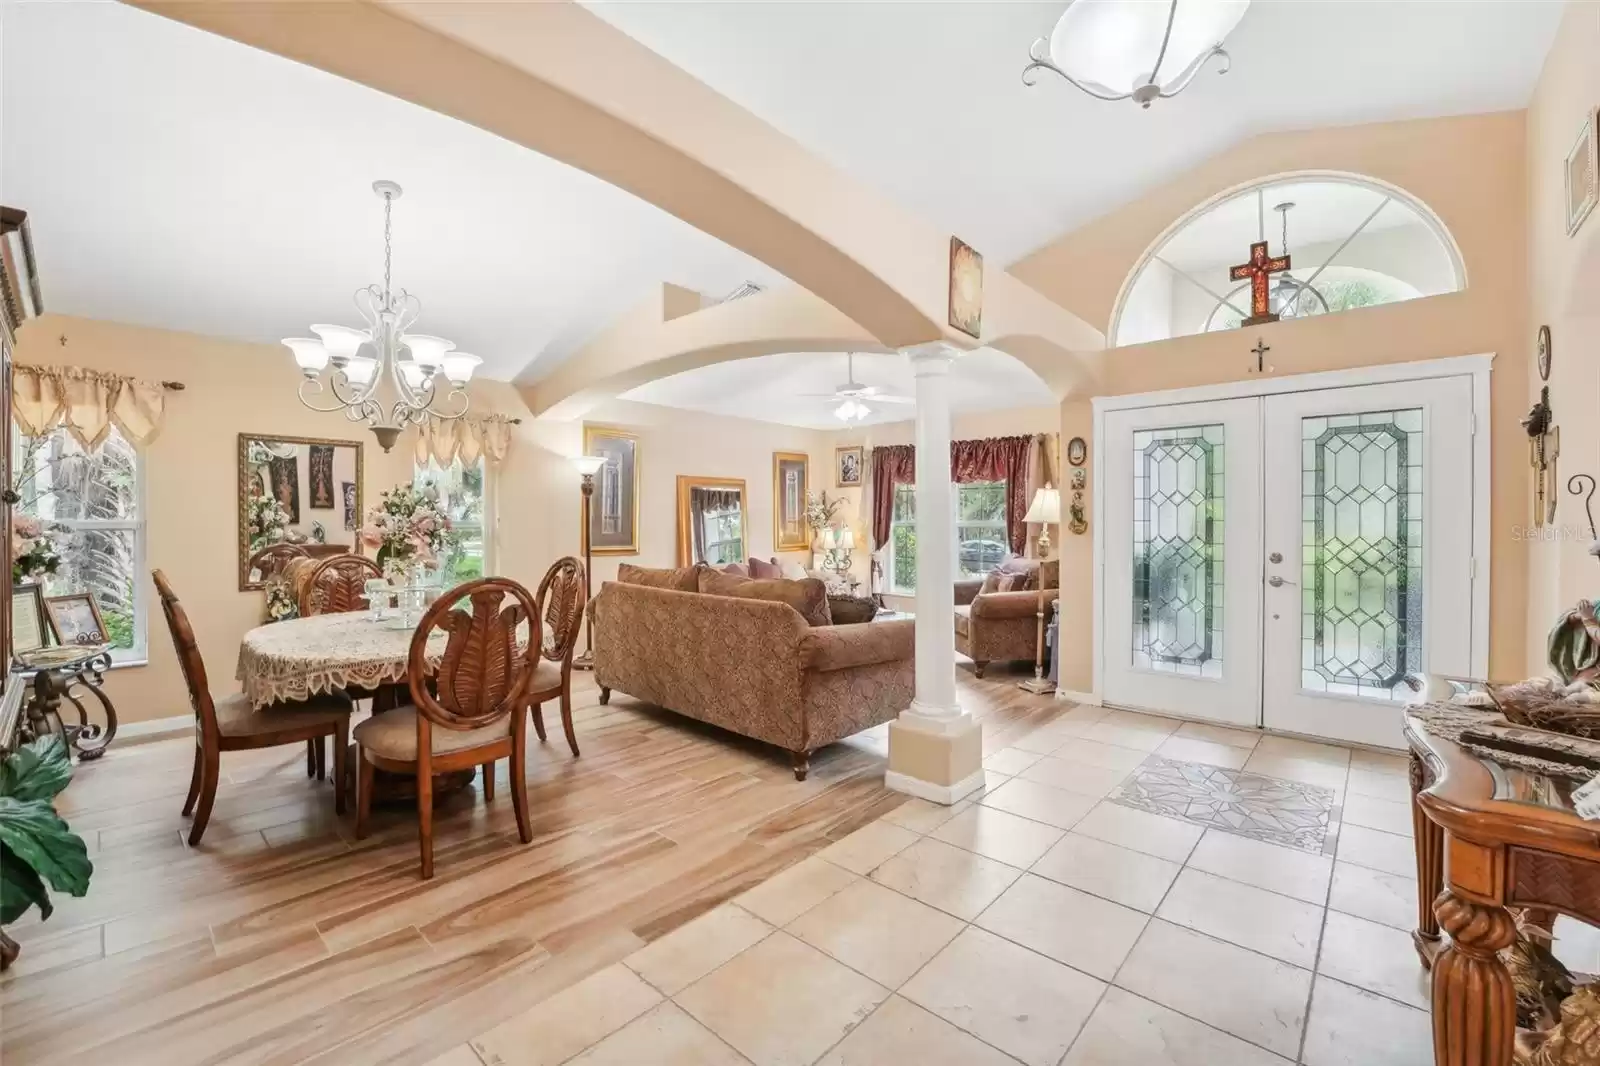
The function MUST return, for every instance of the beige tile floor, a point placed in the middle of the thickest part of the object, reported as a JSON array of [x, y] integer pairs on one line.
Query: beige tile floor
[[1040, 924]]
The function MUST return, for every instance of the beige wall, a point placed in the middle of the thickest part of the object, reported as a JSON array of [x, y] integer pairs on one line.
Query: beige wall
[[191, 471], [232, 387], [1564, 293], [1471, 172]]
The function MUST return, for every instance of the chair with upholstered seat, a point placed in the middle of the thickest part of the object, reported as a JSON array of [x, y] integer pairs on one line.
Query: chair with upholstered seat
[[466, 713], [560, 599], [336, 584], [232, 724]]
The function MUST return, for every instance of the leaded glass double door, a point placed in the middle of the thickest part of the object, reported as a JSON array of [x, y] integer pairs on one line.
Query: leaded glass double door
[[1288, 560]]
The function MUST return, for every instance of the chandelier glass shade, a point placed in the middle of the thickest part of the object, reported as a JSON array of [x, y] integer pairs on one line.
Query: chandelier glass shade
[[1140, 50], [852, 410], [383, 375]]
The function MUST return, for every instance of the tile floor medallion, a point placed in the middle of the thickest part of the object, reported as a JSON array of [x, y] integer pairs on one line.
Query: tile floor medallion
[[1286, 813]]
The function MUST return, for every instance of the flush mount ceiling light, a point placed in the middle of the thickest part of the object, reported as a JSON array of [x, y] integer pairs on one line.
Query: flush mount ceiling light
[[1140, 50], [418, 367]]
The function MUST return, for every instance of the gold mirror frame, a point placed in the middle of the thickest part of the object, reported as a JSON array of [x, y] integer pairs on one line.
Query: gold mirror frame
[[241, 491], [686, 482], [801, 541]]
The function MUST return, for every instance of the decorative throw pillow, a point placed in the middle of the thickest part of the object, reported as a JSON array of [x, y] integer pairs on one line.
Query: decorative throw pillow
[[736, 569], [991, 582], [679, 579], [1013, 583], [762, 570], [809, 597]]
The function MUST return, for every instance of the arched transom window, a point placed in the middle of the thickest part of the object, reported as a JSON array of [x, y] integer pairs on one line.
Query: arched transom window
[[1351, 242]]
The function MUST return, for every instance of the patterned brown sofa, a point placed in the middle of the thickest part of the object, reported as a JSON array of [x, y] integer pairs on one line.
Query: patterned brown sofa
[[1002, 626], [751, 666]]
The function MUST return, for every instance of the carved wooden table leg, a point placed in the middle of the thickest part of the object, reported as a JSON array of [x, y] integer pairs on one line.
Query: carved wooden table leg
[[1474, 1005], [1430, 867]]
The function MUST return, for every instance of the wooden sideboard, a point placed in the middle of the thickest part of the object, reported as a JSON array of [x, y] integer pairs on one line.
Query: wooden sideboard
[[1488, 837]]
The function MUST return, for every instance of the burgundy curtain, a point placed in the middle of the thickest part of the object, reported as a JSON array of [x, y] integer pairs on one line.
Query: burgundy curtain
[[992, 459], [893, 465]]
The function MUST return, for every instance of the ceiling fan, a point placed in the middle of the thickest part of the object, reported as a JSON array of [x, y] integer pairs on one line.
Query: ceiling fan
[[854, 396]]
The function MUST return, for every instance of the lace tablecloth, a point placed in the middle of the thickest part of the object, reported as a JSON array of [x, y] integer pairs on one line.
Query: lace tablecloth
[[296, 659]]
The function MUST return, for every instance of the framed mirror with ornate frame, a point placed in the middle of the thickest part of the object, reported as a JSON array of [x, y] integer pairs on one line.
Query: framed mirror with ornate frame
[[296, 496]]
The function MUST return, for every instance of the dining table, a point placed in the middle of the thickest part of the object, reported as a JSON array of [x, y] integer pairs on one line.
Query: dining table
[[351, 652]]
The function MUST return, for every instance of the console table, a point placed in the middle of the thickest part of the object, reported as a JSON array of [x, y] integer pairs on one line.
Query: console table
[[1488, 836]]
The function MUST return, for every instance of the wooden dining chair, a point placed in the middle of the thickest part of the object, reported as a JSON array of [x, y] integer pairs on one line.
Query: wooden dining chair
[[270, 561], [232, 724], [338, 585], [334, 585], [560, 599], [468, 712]]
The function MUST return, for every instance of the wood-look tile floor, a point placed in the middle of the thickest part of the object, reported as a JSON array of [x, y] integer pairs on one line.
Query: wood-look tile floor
[[281, 939]]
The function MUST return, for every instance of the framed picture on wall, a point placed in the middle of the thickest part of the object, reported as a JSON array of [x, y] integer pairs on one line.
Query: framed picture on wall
[[320, 467], [848, 464], [75, 619], [614, 508], [789, 487], [1583, 174]]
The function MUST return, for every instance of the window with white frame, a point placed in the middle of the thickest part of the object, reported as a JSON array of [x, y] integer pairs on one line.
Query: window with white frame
[[90, 504], [980, 528], [464, 496], [724, 536]]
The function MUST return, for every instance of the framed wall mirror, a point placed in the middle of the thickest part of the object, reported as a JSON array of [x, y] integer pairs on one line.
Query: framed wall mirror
[[298, 496], [711, 520]]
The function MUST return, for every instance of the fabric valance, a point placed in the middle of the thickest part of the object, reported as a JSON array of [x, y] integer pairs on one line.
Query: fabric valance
[[467, 438], [88, 402], [990, 459]]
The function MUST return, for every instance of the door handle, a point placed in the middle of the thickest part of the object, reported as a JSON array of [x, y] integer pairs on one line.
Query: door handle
[[1277, 582]]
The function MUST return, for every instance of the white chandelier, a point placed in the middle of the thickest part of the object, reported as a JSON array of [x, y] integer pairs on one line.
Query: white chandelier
[[362, 359], [1138, 50]]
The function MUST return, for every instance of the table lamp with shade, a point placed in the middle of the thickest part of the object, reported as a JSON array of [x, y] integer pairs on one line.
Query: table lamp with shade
[[587, 466], [1045, 511]]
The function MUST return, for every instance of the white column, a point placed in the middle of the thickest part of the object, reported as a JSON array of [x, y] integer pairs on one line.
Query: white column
[[935, 748], [935, 700]]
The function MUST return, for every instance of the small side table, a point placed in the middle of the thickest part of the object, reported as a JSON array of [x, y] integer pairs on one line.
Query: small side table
[[69, 674]]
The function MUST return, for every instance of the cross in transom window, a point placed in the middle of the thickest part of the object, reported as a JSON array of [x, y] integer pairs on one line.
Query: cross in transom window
[[1259, 269]]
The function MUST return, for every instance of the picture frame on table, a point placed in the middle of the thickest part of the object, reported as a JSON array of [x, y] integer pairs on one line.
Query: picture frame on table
[[28, 630], [75, 619], [849, 466], [1583, 173]]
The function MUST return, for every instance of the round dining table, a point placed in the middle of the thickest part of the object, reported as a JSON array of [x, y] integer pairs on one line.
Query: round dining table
[[351, 652]]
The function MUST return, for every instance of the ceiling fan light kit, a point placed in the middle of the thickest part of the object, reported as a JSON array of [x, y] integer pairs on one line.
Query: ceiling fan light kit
[[1139, 50], [853, 395]]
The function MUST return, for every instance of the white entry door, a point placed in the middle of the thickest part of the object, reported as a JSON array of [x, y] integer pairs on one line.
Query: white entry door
[[1369, 568], [1286, 560], [1182, 604]]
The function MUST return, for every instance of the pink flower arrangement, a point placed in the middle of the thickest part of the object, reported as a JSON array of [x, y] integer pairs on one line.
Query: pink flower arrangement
[[407, 525]]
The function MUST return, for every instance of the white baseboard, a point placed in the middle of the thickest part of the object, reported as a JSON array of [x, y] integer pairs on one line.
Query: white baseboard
[[156, 728], [1087, 699], [945, 794]]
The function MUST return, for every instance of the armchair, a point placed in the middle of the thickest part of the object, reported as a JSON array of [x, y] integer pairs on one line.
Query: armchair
[[996, 626]]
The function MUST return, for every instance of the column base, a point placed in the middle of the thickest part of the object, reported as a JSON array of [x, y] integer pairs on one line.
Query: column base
[[942, 764]]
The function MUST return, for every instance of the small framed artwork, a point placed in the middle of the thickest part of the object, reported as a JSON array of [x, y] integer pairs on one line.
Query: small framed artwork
[[847, 466], [1583, 175], [320, 464], [789, 487], [27, 619], [75, 619], [352, 506], [1077, 451], [614, 508], [966, 288]]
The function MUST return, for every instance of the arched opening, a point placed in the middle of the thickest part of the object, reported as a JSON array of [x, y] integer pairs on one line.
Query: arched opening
[[1352, 242]]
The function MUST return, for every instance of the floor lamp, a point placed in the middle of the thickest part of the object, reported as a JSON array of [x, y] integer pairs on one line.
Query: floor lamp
[[1046, 511], [588, 466]]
